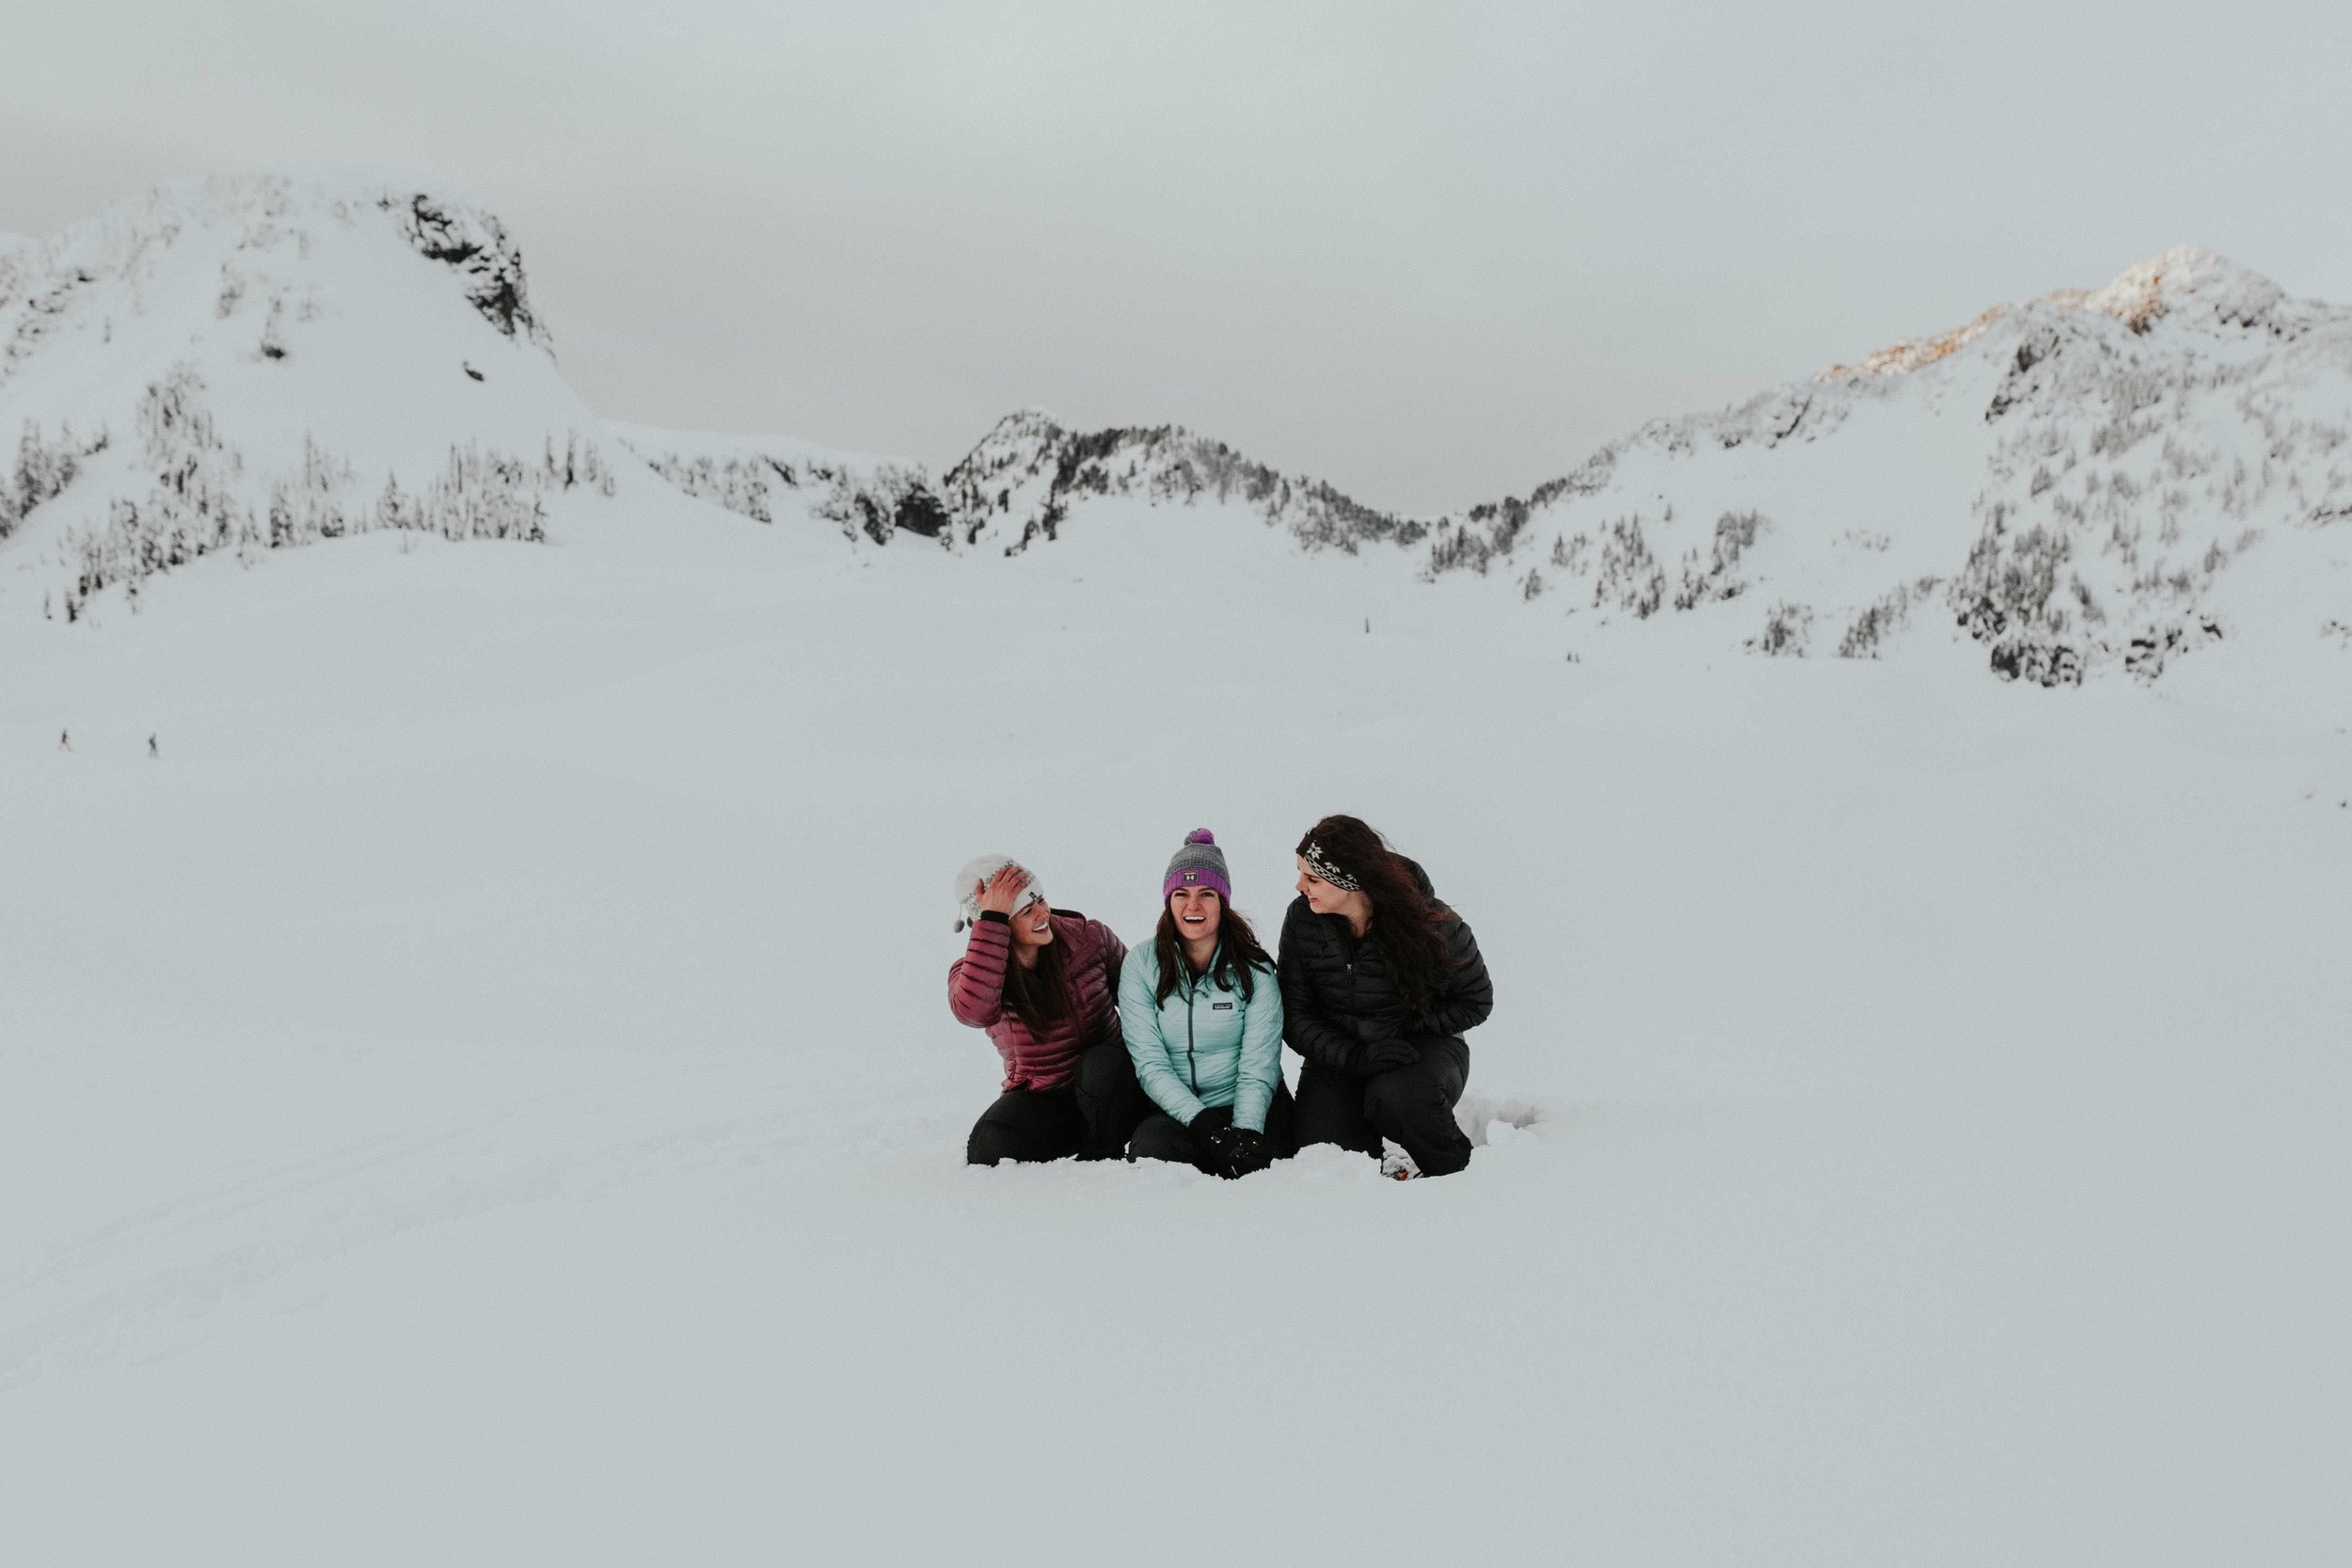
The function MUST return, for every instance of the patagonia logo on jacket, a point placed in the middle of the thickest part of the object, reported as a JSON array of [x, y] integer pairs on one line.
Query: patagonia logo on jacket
[[1220, 1006]]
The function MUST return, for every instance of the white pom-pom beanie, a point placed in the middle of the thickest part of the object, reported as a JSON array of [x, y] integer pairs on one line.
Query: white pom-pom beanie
[[973, 878]]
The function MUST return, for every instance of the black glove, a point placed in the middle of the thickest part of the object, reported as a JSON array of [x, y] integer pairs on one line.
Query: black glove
[[1212, 1134], [1384, 1054], [1245, 1153]]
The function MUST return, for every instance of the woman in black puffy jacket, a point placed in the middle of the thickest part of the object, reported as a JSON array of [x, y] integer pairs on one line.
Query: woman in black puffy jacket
[[1379, 980]]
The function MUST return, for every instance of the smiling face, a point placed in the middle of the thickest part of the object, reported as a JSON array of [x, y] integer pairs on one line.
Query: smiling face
[[1324, 898], [1032, 925], [1321, 896], [1197, 911]]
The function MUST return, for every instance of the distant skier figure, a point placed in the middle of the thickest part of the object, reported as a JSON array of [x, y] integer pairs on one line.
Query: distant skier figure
[[65, 740], [1379, 982], [151, 748], [1203, 1013], [1045, 984]]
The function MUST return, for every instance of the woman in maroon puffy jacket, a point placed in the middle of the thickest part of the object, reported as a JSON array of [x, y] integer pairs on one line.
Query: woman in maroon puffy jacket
[[1045, 984]]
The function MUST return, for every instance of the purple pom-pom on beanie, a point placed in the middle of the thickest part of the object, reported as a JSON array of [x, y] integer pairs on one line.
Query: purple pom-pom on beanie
[[1198, 864]]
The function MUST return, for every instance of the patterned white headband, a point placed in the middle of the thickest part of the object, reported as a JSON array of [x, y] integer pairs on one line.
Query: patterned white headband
[[1329, 873]]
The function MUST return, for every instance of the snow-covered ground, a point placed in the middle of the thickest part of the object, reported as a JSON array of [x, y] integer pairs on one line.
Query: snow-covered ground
[[482, 1091], [484, 1094]]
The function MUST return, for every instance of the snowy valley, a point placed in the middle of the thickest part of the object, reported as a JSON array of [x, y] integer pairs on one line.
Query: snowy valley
[[480, 1087]]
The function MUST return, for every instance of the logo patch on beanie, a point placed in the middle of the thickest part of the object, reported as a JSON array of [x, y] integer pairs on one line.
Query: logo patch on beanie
[[1192, 875]]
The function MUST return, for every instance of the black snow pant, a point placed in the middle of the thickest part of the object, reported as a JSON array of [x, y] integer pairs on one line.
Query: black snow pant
[[1163, 1137], [1090, 1116], [1412, 1104]]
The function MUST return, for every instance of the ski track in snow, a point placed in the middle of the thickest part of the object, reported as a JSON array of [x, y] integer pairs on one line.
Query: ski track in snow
[[153, 1278]]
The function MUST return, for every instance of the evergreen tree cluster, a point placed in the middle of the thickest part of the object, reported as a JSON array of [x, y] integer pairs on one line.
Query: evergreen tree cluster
[[43, 469], [196, 503]]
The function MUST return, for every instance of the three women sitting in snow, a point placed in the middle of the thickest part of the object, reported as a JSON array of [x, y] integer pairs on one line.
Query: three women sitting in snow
[[1172, 1051]]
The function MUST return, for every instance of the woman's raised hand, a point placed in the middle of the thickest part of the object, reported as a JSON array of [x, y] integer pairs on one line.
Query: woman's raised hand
[[1000, 891]]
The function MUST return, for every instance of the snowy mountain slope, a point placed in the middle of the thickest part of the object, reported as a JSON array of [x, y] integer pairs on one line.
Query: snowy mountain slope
[[2095, 480], [2099, 482], [874, 498], [250, 363], [2101, 479], [1021, 483], [1017, 487]]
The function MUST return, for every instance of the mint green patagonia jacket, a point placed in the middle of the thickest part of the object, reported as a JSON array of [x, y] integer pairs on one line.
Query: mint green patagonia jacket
[[1205, 1045]]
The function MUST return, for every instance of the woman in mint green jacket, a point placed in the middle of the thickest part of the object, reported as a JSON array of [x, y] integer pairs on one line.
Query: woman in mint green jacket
[[1202, 1015]]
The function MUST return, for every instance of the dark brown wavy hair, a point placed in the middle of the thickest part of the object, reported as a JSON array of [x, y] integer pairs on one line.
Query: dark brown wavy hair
[[1040, 997], [1238, 951], [1404, 924]]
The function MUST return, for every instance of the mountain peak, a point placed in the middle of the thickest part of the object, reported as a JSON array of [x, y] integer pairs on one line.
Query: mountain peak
[[2182, 278], [244, 217], [1030, 425], [2188, 281]]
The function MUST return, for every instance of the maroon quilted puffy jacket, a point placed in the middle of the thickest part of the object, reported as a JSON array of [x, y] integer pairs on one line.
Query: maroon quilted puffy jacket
[[976, 995]]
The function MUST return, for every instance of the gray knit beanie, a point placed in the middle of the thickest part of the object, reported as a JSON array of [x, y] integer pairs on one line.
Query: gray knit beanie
[[1198, 864]]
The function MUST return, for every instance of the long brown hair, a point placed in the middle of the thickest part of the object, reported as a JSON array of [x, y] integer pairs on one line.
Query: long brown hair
[[1238, 952], [1040, 997], [1404, 923]]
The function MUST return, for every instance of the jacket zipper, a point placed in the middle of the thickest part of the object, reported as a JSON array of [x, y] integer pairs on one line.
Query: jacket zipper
[[1192, 1063]]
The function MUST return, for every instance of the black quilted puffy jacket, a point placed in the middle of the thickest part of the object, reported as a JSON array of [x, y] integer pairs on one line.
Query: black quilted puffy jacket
[[1338, 996]]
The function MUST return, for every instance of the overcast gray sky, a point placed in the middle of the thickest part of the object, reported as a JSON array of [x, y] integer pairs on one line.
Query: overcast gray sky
[[1433, 253]]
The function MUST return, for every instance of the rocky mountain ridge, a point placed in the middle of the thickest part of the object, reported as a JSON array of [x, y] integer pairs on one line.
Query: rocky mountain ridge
[[2098, 480]]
